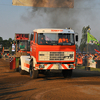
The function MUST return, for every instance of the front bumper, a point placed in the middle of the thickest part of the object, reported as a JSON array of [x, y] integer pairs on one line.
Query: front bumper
[[54, 66]]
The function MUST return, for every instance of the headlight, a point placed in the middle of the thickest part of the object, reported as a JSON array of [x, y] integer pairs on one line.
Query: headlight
[[41, 66], [71, 66]]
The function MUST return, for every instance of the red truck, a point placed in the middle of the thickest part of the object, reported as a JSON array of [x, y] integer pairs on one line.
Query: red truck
[[50, 49]]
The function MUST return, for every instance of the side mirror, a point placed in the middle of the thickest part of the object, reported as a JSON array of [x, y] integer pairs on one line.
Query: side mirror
[[76, 38]]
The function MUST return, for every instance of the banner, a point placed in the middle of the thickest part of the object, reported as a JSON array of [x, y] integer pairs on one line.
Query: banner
[[45, 3], [91, 39]]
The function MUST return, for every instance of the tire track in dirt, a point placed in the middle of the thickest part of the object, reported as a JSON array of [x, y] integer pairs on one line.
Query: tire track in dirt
[[82, 85]]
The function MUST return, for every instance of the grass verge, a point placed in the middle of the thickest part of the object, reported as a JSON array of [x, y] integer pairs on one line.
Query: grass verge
[[91, 69]]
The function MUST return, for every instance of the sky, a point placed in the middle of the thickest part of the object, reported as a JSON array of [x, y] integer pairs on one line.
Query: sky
[[22, 19]]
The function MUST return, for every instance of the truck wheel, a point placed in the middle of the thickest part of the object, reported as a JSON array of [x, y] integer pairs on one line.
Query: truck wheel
[[67, 73], [22, 72], [33, 73]]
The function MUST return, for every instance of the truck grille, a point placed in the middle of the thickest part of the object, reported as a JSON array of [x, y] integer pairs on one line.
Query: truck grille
[[56, 56]]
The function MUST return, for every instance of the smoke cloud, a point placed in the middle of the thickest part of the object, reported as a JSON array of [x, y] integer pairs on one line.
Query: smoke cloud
[[83, 14]]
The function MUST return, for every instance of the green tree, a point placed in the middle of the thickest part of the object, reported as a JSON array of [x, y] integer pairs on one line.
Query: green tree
[[76, 46], [84, 38], [1, 41], [5, 44], [10, 45]]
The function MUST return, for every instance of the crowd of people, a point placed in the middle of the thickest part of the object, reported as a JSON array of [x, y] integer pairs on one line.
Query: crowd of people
[[95, 56], [87, 59], [4, 55]]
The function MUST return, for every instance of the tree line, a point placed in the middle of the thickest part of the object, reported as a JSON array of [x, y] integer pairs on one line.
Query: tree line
[[7, 44], [84, 47]]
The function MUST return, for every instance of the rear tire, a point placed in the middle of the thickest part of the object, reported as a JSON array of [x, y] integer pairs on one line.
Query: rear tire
[[22, 72], [33, 73], [67, 73]]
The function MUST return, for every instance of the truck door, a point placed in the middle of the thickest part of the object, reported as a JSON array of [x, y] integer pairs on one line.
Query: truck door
[[34, 44], [31, 42]]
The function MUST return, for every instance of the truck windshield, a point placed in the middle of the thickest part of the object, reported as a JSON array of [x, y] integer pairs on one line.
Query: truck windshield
[[22, 45], [55, 39]]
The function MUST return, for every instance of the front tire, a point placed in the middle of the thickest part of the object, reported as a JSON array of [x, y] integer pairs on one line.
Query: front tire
[[33, 73], [22, 72]]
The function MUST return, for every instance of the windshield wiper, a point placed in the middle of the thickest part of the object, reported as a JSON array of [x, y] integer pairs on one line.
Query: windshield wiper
[[64, 43], [60, 44]]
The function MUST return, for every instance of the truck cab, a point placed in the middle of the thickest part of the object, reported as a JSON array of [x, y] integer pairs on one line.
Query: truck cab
[[52, 49]]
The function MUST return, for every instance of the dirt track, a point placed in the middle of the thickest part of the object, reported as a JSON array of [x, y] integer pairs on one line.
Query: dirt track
[[84, 85]]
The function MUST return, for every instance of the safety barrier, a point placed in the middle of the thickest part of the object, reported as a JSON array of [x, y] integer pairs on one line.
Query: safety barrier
[[12, 62], [91, 63]]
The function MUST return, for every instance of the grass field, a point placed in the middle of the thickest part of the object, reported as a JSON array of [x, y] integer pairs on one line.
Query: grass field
[[91, 69]]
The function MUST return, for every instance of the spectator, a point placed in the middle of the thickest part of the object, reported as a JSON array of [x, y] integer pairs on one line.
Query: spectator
[[63, 39], [42, 39]]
